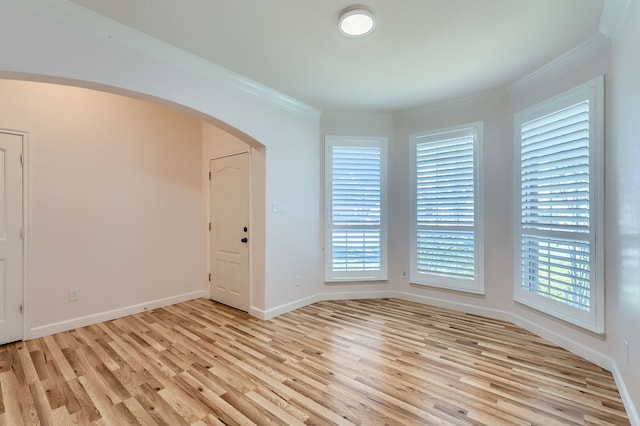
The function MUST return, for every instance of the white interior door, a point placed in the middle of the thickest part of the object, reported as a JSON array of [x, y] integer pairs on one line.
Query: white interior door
[[230, 236], [11, 285]]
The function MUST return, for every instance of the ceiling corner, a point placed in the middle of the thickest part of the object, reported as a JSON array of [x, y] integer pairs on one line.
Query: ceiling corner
[[594, 46], [613, 14]]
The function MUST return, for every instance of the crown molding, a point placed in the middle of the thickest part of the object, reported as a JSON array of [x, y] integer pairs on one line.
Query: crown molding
[[87, 21], [593, 47], [407, 116], [613, 16]]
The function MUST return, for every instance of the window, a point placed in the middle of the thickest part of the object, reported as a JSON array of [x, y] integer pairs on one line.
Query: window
[[356, 235], [559, 212], [446, 231]]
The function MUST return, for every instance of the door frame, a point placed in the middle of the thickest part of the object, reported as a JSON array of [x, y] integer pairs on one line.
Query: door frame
[[26, 226], [250, 206]]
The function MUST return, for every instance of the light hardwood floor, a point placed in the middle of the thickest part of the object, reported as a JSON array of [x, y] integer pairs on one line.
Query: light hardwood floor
[[367, 362]]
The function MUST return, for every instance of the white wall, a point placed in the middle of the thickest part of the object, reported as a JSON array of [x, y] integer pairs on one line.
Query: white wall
[[293, 236], [623, 205], [114, 192]]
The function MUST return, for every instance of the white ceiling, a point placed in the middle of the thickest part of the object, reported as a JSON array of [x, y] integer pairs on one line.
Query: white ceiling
[[421, 52]]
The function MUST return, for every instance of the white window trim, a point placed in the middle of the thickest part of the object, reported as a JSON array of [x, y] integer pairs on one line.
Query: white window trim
[[470, 286], [356, 276], [593, 320]]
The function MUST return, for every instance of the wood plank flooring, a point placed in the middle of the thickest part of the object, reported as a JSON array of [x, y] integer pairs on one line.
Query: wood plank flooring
[[362, 362]]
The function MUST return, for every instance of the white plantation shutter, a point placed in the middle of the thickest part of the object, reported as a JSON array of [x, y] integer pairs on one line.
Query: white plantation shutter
[[555, 198], [356, 231], [446, 250], [558, 192]]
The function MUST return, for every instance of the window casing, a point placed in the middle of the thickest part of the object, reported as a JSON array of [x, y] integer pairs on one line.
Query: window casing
[[355, 209], [559, 168], [446, 225]]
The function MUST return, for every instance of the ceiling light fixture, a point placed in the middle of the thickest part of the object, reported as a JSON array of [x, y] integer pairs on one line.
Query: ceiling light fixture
[[356, 21]]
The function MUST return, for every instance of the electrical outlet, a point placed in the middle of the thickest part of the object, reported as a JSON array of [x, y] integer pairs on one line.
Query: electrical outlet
[[298, 280], [74, 294], [405, 276]]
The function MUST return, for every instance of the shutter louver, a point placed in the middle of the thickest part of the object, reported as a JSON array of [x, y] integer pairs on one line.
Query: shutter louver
[[555, 212], [557, 269], [445, 206], [355, 212]]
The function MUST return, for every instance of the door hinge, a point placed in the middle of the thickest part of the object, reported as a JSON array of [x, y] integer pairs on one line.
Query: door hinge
[[22, 233], [209, 175], [209, 226], [209, 277], [21, 308], [22, 159]]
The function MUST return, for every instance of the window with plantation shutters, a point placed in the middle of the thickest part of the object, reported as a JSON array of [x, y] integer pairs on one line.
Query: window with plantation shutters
[[355, 209], [446, 229], [559, 259]]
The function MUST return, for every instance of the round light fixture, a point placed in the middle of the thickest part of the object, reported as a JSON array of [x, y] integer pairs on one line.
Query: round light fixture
[[356, 22]]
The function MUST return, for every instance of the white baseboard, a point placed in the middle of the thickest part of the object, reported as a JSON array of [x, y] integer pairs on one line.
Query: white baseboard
[[383, 294], [300, 303], [598, 358], [455, 306], [282, 309], [61, 326], [258, 313], [632, 411]]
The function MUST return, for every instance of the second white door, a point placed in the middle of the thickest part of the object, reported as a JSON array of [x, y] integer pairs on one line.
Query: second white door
[[11, 285], [230, 234]]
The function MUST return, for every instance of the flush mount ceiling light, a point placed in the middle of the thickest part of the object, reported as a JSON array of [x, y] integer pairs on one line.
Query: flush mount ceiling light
[[356, 21]]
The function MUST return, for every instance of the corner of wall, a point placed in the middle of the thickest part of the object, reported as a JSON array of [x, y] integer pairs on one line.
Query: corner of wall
[[632, 410]]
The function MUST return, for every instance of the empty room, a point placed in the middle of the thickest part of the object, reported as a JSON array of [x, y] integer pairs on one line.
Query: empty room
[[353, 213]]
